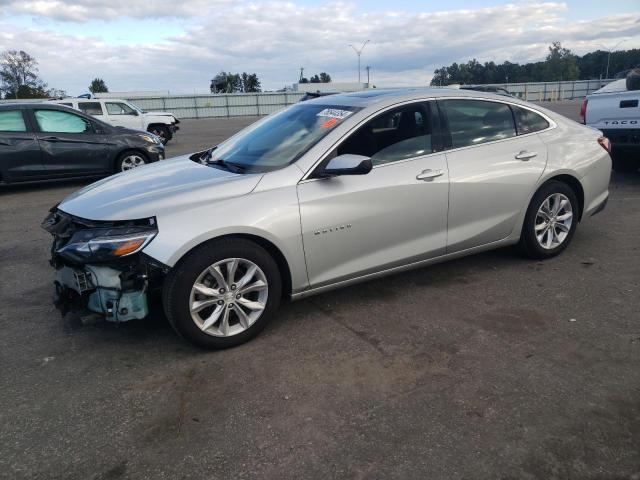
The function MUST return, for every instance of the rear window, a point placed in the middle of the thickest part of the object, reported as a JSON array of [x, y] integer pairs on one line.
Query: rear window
[[90, 108], [473, 122], [12, 121], [528, 121]]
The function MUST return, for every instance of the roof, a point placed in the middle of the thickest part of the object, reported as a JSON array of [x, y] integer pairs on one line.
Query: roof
[[31, 105], [371, 97]]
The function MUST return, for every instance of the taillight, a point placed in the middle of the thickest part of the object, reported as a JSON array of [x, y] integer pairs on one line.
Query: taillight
[[583, 111], [605, 143]]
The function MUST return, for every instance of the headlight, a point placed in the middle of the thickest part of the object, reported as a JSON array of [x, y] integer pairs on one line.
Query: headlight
[[102, 244], [149, 137]]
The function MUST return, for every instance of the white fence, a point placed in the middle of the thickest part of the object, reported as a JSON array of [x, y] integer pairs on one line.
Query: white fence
[[220, 105], [553, 91], [254, 104]]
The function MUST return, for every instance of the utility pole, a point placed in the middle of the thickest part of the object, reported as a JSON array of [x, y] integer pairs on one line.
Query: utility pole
[[359, 52], [609, 55], [368, 70]]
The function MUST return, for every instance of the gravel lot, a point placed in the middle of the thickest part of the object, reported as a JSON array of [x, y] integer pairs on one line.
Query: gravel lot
[[488, 367]]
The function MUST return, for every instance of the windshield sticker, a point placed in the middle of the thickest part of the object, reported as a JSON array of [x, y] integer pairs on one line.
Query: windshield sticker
[[334, 113], [329, 123]]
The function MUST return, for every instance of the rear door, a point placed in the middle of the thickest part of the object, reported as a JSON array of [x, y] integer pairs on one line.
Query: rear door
[[492, 170], [69, 143], [20, 157]]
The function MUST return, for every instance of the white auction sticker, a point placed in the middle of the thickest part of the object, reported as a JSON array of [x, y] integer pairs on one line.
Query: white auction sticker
[[334, 113]]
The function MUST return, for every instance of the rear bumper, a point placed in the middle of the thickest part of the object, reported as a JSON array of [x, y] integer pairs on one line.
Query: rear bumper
[[627, 138]]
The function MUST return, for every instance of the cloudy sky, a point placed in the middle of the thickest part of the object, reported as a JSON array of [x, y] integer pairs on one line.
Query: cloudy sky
[[179, 45]]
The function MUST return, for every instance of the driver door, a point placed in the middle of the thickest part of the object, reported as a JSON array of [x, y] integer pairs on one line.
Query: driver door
[[122, 115], [394, 215]]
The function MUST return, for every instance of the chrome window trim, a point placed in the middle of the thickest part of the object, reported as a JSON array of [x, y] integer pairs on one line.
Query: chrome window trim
[[552, 125]]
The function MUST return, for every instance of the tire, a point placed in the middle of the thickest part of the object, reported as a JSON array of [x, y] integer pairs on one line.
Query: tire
[[538, 224], [624, 162], [205, 327], [161, 131], [129, 160]]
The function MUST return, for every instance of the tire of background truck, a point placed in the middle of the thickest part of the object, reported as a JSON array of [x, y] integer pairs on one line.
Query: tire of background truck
[[223, 293], [550, 222], [624, 162], [162, 132], [129, 160]]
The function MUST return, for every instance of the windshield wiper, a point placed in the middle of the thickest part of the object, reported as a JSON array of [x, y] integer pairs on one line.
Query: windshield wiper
[[232, 167]]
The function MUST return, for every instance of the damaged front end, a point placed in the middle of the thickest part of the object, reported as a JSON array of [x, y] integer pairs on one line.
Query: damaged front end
[[100, 266]]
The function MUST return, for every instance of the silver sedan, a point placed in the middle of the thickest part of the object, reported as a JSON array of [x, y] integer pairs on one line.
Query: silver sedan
[[321, 195]]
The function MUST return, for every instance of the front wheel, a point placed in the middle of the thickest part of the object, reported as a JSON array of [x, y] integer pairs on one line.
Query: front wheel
[[550, 222], [129, 161], [223, 293]]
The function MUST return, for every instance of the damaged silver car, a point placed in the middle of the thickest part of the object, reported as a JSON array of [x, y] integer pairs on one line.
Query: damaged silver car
[[324, 194]]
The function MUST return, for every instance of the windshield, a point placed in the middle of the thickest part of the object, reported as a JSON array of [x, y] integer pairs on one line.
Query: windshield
[[281, 139], [133, 105]]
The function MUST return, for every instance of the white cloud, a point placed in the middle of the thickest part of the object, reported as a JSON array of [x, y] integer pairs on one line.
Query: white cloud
[[275, 38], [83, 10]]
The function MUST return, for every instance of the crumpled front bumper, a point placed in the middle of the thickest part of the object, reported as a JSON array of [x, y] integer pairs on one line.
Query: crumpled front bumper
[[117, 290]]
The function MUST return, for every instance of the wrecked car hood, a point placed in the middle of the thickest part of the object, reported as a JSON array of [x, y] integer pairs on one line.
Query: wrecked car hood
[[157, 188]]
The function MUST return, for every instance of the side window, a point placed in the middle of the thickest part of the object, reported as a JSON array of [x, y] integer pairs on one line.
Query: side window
[[12, 121], [117, 108], [90, 108], [397, 134], [55, 121], [528, 121], [473, 122]]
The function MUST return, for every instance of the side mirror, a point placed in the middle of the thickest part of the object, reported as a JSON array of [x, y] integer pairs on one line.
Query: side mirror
[[134, 113], [347, 164]]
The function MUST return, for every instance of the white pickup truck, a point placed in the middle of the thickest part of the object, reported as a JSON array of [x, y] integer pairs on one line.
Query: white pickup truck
[[122, 113], [615, 110]]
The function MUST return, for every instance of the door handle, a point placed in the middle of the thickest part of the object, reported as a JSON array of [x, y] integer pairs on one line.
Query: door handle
[[51, 139], [429, 174], [524, 155]]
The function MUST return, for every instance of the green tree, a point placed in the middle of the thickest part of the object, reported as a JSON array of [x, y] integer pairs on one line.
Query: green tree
[[325, 77], [98, 86], [19, 76], [315, 79], [561, 64], [227, 82]]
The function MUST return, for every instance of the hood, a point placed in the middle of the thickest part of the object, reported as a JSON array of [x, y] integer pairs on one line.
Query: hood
[[159, 114], [155, 189]]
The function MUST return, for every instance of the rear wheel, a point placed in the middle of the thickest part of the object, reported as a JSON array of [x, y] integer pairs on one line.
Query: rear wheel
[[129, 161], [550, 222], [223, 293], [162, 132]]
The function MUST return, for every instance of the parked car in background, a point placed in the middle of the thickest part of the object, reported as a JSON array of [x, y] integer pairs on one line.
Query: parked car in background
[[42, 141], [615, 110], [122, 113], [321, 195]]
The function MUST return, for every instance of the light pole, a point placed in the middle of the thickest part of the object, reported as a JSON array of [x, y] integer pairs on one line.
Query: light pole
[[359, 52], [609, 56]]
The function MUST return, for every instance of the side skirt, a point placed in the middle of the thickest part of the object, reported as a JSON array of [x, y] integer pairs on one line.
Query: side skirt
[[410, 266]]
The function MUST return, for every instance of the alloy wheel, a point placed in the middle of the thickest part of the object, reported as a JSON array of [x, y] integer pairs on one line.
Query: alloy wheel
[[553, 221], [228, 297], [132, 161]]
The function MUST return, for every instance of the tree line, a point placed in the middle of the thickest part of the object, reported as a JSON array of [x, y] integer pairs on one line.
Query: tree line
[[560, 64]]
